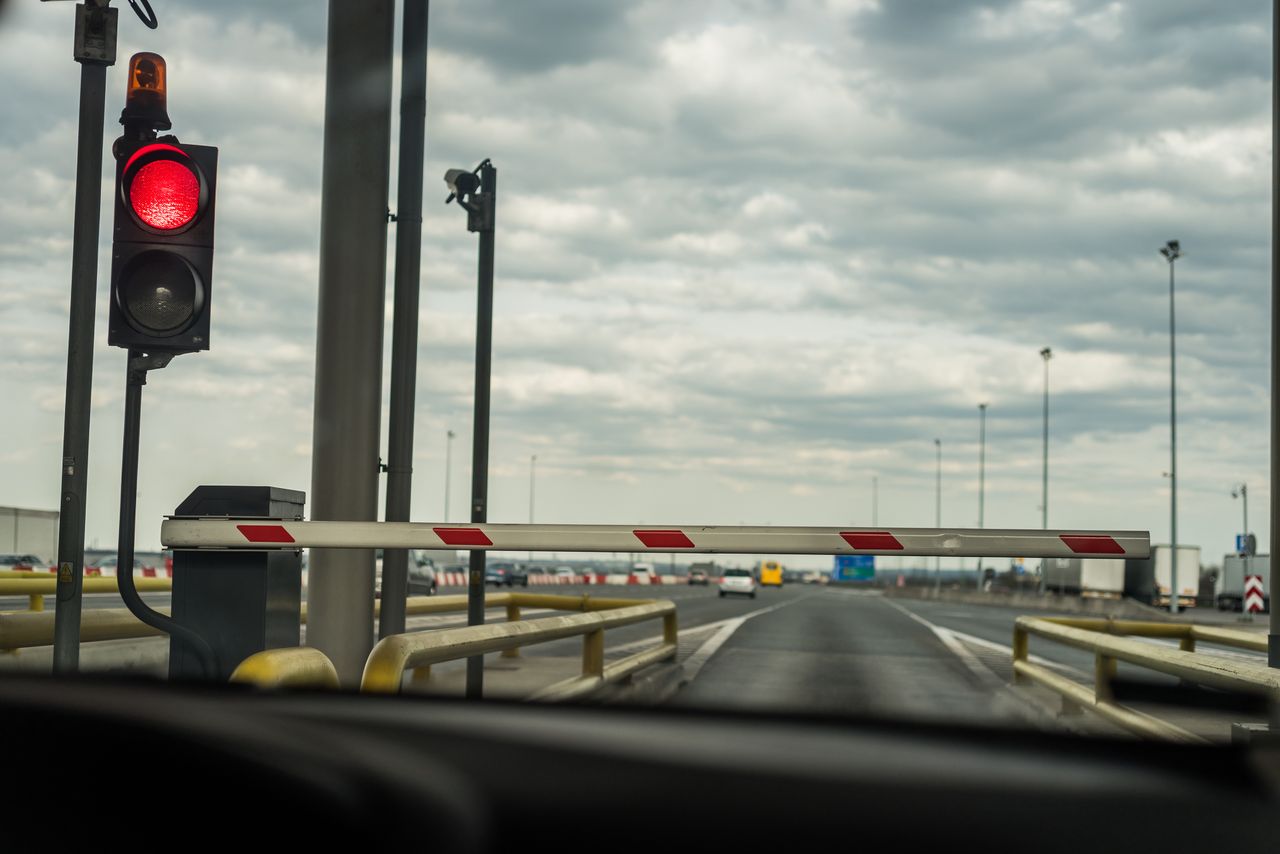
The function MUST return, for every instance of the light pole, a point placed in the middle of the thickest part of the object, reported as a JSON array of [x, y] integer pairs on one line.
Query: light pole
[[448, 451], [982, 474], [1243, 492], [1046, 354], [476, 192], [1172, 252], [937, 517], [533, 461], [875, 501]]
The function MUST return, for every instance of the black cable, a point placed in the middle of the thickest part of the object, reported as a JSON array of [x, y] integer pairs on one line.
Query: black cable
[[137, 378], [149, 16]]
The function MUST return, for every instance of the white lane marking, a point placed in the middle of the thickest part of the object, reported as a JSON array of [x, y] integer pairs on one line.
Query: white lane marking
[[970, 660], [694, 663]]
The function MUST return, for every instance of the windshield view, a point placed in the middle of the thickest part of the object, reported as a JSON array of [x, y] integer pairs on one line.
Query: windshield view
[[852, 359]]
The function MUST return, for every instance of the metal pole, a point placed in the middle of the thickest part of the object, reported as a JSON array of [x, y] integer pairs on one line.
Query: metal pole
[[982, 473], [480, 425], [1046, 354], [937, 517], [353, 261], [404, 323], [95, 49], [533, 460], [1273, 638], [448, 451], [875, 501], [1244, 494], [1173, 455]]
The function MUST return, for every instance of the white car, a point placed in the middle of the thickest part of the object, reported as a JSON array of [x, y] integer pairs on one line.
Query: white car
[[564, 572], [739, 581]]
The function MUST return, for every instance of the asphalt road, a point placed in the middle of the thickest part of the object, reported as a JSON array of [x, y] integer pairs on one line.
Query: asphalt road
[[823, 649]]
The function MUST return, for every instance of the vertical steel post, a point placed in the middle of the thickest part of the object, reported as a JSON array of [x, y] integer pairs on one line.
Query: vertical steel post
[[1046, 354], [404, 323], [982, 474], [533, 462], [875, 502], [1173, 454], [480, 421], [353, 262], [1273, 638], [937, 518], [448, 452], [95, 49]]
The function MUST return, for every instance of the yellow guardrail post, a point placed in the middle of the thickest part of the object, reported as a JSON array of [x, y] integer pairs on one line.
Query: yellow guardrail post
[[292, 667], [513, 615], [593, 655], [1104, 672], [1020, 648], [36, 602]]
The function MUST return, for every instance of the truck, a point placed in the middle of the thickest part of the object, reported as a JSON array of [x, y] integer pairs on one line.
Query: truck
[[1101, 578], [27, 531], [1228, 586], [1188, 574]]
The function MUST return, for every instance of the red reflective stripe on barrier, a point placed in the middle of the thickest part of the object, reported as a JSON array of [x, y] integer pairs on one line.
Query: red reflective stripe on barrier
[[265, 533], [463, 536], [664, 539], [1092, 545], [879, 541]]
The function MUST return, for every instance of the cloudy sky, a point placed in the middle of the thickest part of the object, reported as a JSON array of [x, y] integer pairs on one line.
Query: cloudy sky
[[751, 255]]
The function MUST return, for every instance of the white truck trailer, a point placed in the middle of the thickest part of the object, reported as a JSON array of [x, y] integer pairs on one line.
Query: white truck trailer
[[26, 531], [1188, 574], [1101, 578]]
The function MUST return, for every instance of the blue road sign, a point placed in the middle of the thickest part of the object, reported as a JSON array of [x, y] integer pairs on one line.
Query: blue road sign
[[854, 568]]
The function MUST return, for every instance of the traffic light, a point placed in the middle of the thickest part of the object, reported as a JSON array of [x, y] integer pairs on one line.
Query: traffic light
[[162, 249]]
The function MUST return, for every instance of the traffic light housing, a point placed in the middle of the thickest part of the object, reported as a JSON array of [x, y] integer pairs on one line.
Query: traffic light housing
[[162, 244]]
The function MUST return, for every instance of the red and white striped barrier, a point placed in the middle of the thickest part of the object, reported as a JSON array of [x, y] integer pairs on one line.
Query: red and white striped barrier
[[222, 533], [1253, 601]]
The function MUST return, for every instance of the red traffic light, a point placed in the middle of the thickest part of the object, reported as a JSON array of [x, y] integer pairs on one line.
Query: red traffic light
[[162, 187]]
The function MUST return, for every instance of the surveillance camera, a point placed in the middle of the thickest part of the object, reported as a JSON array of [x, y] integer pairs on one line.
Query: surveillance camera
[[461, 182]]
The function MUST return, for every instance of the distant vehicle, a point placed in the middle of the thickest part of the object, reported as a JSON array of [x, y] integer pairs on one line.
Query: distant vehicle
[[770, 573], [739, 582], [22, 563], [698, 576], [564, 572], [1229, 584], [537, 570], [812, 578], [422, 570], [499, 573], [1087, 577], [643, 569]]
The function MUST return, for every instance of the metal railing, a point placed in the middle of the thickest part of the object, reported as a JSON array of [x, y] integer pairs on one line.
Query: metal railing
[[397, 655], [296, 667], [37, 586], [1099, 637], [22, 629]]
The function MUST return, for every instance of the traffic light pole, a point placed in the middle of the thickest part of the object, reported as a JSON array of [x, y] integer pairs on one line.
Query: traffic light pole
[[481, 219], [404, 319], [138, 366], [1273, 640], [95, 49]]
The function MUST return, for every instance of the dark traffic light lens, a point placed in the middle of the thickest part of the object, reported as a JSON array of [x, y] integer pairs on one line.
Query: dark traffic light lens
[[165, 194], [160, 293]]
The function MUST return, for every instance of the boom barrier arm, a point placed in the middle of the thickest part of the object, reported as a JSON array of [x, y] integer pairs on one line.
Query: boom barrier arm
[[224, 533]]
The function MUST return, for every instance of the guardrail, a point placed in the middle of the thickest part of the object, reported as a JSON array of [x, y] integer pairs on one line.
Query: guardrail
[[297, 667], [1098, 636], [37, 586], [395, 656]]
